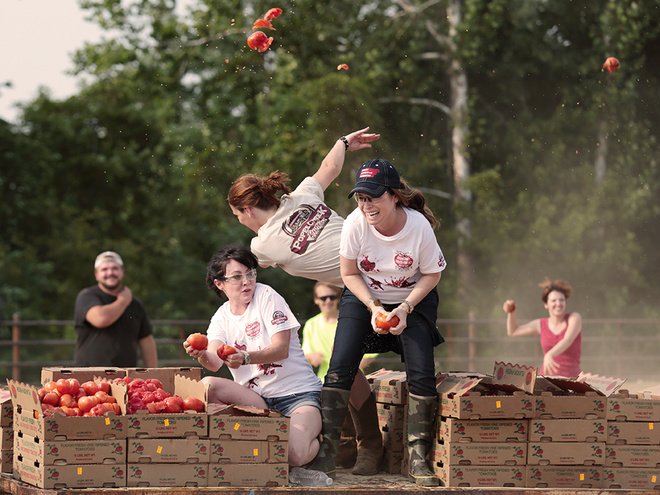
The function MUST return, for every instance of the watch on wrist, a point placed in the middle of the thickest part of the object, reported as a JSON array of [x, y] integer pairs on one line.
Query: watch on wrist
[[409, 306], [246, 357]]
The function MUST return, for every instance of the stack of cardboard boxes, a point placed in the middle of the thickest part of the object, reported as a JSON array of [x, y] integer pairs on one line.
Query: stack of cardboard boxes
[[6, 432], [168, 449], [248, 447], [482, 429], [62, 451], [231, 446], [567, 436], [632, 453], [391, 393]]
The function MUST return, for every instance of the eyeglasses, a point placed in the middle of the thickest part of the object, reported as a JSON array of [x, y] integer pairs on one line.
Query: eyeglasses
[[325, 298], [368, 199], [238, 279]]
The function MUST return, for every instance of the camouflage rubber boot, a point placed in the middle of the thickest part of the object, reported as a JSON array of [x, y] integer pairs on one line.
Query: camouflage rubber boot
[[369, 438], [334, 403], [347, 445], [421, 418]]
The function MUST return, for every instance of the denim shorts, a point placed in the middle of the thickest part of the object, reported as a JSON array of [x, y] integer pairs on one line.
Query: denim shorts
[[289, 403]]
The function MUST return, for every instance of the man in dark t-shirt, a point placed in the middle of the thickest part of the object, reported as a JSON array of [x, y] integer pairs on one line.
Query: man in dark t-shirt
[[110, 323]]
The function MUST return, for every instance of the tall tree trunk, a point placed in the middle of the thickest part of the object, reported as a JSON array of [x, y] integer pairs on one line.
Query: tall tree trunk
[[461, 160]]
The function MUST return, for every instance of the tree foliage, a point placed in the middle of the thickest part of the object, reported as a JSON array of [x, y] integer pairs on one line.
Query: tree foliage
[[176, 106]]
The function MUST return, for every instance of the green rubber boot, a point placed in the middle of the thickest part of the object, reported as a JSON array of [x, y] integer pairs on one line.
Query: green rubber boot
[[421, 418], [334, 404]]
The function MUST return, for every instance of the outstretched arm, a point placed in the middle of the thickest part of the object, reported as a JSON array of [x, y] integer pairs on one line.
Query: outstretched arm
[[512, 328], [334, 161]]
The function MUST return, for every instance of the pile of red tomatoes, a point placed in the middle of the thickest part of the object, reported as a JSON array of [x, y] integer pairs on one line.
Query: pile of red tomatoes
[[149, 395], [69, 397]]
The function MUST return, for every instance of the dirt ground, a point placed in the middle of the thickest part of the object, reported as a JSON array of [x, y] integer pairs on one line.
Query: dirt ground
[[345, 479]]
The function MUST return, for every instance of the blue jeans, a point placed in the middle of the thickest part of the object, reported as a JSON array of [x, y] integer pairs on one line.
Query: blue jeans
[[415, 344], [289, 403]]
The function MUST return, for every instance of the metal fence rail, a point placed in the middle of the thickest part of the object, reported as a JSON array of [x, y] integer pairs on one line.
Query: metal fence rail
[[613, 347]]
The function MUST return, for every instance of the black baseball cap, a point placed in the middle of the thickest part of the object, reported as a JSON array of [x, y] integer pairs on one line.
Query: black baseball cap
[[375, 177]]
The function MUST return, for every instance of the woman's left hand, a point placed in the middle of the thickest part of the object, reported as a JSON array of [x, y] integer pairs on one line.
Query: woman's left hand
[[402, 314], [235, 361]]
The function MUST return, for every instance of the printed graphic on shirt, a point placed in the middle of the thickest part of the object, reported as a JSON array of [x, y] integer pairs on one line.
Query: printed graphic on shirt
[[375, 284], [403, 261], [278, 318], [401, 282], [367, 266], [269, 368], [253, 329], [305, 225], [441, 262]]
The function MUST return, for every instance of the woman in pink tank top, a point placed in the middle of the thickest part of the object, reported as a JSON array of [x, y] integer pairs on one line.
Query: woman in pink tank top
[[561, 332]]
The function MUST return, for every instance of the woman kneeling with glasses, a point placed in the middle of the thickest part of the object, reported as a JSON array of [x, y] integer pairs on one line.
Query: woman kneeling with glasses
[[269, 368]]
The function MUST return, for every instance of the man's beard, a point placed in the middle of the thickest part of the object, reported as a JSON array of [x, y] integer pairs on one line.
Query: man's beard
[[111, 287]]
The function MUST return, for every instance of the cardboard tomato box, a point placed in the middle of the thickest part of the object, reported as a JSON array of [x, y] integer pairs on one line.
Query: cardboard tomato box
[[6, 409], [29, 419], [6, 461], [247, 423], [168, 450], [643, 479], [481, 453], [248, 451], [389, 387], [69, 476], [82, 374], [642, 456], [393, 439], [564, 476], [633, 433], [565, 454], [167, 475], [480, 476], [633, 407], [567, 430], [7, 435], [392, 461], [476, 397], [142, 424], [494, 430], [52, 452], [584, 397], [248, 475], [391, 416]]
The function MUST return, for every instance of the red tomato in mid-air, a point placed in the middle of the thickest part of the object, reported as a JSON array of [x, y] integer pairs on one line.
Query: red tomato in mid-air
[[262, 23], [259, 41], [383, 324], [611, 64], [272, 14], [342, 66], [198, 341]]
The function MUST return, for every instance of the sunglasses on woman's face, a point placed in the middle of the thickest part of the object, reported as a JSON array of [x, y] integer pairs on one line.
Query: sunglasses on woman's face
[[325, 298]]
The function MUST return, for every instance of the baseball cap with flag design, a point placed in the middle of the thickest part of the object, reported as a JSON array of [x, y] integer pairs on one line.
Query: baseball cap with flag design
[[375, 177]]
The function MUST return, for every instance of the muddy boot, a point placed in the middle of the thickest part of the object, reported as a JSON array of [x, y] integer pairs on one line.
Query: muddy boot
[[347, 445], [421, 418], [334, 403], [369, 438]]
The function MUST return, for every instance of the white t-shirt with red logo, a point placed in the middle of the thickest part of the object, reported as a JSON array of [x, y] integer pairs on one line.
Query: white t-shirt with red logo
[[266, 315], [392, 265], [303, 236]]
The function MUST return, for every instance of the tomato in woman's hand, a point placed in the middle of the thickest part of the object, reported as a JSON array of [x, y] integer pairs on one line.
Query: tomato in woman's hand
[[383, 324], [198, 341], [225, 350]]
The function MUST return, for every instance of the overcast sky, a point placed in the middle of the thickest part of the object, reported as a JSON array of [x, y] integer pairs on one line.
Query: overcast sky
[[37, 40]]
